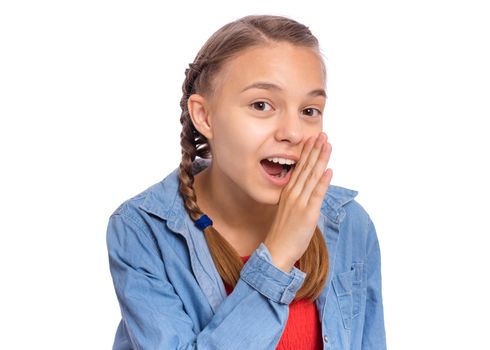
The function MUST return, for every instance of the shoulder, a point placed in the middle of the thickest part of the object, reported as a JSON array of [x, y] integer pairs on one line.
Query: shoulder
[[130, 208], [148, 207], [339, 204], [347, 219], [131, 229], [157, 199]]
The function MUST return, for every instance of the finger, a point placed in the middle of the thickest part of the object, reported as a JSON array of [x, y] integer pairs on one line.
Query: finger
[[319, 192], [307, 146], [316, 173], [310, 162]]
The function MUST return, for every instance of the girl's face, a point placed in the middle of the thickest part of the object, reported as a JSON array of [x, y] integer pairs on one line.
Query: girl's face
[[268, 101]]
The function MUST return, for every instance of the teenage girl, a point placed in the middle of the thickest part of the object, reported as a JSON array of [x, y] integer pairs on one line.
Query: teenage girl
[[247, 245]]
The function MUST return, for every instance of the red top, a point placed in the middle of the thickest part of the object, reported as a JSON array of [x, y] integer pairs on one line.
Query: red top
[[303, 329]]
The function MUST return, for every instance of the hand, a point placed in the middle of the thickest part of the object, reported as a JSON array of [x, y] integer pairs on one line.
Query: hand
[[300, 203]]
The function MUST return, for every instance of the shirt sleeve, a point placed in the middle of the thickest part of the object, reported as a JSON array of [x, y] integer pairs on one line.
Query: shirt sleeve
[[374, 337], [253, 316]]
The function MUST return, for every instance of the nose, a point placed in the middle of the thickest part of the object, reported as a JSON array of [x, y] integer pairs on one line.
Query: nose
[[289, 128]]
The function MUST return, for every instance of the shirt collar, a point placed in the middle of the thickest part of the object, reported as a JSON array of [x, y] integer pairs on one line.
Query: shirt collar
[[163, 198]]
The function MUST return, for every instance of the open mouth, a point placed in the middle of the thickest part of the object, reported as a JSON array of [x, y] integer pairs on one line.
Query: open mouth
[[276, 169]]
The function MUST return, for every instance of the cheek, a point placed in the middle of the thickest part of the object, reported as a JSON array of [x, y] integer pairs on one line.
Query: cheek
[[312, 131], [239, 137]]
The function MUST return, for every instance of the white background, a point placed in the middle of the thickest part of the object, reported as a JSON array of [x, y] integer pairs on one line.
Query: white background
[[89, 106]]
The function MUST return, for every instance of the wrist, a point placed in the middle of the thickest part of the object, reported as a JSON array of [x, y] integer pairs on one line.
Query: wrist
[[279, 260]]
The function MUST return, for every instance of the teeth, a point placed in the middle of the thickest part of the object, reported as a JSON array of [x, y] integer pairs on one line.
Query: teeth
[[281, 161]]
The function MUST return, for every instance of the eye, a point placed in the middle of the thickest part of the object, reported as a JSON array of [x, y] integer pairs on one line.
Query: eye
[[312, 110], [261, 105]]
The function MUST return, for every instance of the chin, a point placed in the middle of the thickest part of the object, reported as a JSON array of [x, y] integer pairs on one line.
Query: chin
[[270, 197]]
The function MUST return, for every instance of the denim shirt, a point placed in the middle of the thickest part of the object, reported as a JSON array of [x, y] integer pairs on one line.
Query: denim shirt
[[172, 297]]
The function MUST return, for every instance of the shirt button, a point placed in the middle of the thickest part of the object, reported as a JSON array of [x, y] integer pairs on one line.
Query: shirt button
[[325, 339]]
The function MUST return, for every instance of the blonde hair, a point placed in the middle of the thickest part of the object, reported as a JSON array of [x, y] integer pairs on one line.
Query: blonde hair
[[228, 41]]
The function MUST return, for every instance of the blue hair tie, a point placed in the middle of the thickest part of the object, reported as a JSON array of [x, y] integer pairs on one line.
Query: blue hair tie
[[203, 222]]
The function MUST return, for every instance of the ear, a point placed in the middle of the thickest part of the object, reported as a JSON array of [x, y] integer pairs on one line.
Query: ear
[[200, 114]]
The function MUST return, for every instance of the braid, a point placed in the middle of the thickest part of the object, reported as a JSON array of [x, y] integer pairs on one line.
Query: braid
[[225, 257]]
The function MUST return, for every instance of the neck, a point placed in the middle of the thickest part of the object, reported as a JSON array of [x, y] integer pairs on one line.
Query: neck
[[233, 212]]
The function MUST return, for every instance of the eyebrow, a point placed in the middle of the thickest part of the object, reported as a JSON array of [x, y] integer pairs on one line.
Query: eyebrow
[[270, 86]]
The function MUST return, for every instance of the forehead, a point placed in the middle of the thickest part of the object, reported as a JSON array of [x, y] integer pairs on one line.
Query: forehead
[[294, 68]]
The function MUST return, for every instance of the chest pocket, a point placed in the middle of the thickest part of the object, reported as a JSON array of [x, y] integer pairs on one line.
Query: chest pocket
[[348, 289]]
